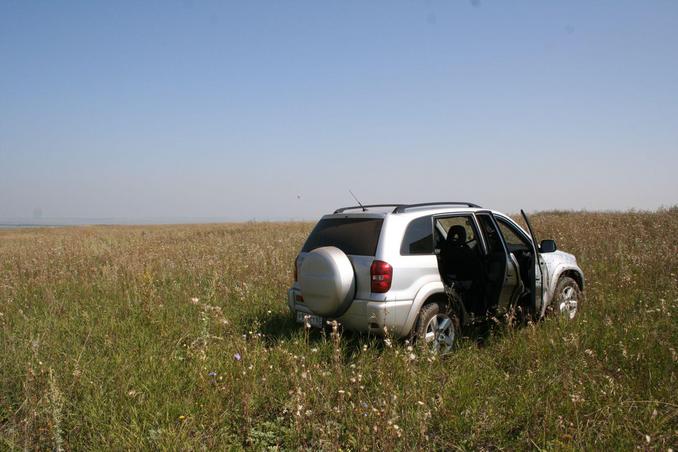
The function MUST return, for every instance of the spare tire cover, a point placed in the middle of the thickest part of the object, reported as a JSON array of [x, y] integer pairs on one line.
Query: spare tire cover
[[327, 281]]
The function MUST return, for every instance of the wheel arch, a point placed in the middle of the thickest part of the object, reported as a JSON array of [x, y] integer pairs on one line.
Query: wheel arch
[[574, 274], [428, 293]]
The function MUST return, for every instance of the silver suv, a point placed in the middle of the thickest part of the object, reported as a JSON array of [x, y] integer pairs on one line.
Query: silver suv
[[426, 270]]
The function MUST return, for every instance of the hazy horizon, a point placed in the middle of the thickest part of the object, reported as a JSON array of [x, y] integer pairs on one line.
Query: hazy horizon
[[141, 221], [273, 111]]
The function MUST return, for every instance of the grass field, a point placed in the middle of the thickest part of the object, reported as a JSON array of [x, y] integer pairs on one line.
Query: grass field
[[178, 337]]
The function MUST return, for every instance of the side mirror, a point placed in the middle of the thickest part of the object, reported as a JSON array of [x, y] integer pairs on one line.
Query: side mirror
[[547, 246]]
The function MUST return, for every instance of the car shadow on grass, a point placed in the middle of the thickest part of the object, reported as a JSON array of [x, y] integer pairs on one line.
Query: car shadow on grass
[[278, 328], [481, 333]]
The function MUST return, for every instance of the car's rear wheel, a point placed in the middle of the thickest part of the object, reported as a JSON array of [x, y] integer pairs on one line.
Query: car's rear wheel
[[566, 298], [437, 328]]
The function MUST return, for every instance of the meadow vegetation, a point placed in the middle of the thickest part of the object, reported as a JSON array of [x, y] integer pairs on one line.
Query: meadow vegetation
[[179, 337]]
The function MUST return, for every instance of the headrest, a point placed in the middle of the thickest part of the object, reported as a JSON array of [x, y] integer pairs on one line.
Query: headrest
[[456, 235]]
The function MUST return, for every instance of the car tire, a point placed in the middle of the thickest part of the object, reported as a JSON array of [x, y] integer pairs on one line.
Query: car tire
[[437, 328], [566, 298]]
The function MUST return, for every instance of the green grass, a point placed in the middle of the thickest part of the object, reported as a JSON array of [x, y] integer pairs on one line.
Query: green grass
[[102, 346]]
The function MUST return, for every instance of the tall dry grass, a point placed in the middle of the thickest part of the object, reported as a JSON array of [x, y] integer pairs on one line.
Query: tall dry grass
[[178, 337]]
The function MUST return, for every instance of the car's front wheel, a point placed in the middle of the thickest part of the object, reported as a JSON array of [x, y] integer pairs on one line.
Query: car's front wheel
[[437, 328], [566, 298]]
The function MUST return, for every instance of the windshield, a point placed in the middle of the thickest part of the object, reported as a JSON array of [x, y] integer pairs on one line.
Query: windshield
[[358, 236]]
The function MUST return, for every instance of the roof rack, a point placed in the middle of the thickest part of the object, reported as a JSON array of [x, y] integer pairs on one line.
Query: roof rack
[[343, 209], [404, 207]]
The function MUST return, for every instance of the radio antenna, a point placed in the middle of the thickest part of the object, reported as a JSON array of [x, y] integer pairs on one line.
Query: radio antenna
[[356, 200]]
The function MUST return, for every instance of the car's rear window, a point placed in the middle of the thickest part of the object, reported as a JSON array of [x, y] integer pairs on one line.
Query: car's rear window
[[358, 236]]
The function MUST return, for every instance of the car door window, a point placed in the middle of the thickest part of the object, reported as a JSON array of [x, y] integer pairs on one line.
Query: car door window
[[515, 241], [492, 239], [463, 220]]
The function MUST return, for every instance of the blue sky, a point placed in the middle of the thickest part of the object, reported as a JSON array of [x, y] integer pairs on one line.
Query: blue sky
[[273, 110]]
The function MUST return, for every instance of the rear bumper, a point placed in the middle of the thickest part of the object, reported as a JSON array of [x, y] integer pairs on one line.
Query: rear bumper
[[376, 317]]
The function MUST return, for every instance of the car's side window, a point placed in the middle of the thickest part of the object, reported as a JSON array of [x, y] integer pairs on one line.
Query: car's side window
[[491, 235], [418, 238], [466, 221], [514, 240]]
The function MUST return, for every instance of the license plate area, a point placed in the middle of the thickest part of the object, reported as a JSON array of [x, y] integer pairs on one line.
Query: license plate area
[[314, 320]]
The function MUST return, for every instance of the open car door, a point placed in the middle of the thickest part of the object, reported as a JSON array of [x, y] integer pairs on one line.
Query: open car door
[[459, 254], [536, 273]]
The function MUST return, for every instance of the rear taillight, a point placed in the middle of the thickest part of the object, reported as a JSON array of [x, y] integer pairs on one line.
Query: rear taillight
[[381, 274], [296, 273]]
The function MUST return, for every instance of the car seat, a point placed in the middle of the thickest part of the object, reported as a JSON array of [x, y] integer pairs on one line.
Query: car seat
[[462, 267]]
